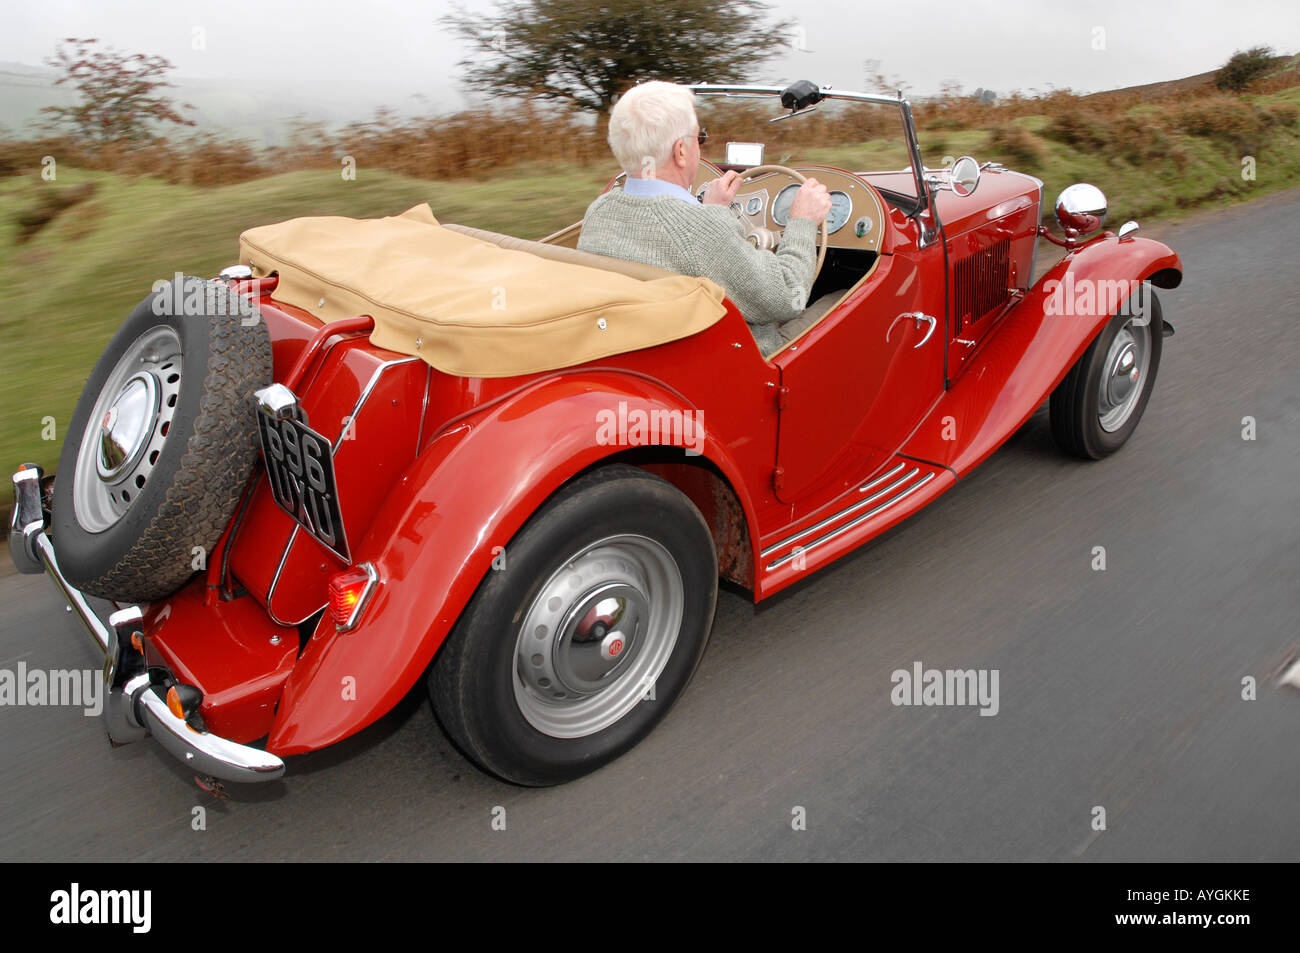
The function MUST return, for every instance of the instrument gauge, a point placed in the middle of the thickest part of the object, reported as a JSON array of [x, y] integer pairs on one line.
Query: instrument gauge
[[781, 206], [841, 209]]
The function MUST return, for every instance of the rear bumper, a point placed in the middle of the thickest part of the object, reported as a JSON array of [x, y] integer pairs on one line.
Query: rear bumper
[[135, 692]]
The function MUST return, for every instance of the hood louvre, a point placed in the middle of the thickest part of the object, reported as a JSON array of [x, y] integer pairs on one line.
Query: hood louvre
[[981, 284]]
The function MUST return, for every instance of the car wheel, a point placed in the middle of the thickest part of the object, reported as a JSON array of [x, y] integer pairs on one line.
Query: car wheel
[[160, 444], [1096, 408], [572, 652]]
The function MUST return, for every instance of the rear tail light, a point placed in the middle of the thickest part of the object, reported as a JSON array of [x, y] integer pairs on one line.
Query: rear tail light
[[349, 593]]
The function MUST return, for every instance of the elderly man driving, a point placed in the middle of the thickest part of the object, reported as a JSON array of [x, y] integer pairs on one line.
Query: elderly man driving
[[654, 219]]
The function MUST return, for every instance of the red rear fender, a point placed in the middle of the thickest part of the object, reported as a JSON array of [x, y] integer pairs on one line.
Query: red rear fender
[[438, 531]]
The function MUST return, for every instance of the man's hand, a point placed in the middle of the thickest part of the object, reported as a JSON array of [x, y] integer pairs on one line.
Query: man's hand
[[723, 191], [811, 201]]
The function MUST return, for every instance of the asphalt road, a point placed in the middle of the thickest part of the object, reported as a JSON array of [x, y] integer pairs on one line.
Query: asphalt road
[[1119, 689]]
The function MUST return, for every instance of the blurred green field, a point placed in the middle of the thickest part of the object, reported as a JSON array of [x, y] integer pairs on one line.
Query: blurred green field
[[64, 292]]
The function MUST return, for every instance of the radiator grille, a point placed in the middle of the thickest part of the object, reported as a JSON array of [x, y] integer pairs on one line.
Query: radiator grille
[[981, 284]]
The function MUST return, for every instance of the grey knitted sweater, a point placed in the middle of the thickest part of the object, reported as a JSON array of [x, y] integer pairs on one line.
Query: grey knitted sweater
[[708, 241]]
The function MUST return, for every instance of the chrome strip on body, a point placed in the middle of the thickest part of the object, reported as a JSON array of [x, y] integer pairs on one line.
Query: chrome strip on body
[[424, 406], [855, 522], [848, 509], [839, 515]]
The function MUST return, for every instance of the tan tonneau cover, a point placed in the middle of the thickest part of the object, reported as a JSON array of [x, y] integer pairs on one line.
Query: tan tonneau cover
[[471, 307]]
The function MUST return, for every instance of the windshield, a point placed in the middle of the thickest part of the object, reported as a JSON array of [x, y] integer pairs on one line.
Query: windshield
[[857, 136]]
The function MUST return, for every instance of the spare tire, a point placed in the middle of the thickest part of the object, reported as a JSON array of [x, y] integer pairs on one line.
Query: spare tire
[[161, 443]]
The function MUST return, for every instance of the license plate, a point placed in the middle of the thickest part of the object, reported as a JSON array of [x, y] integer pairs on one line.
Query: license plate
[[301, 471]]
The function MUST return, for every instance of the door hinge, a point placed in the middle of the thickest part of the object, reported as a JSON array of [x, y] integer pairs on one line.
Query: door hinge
[[782, 398], [778, 478]]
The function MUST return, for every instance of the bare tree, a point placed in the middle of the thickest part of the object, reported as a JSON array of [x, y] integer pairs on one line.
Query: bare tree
[[120, 93]]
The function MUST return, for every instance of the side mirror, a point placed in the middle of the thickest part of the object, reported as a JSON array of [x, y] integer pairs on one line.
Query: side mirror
[[965, 176]]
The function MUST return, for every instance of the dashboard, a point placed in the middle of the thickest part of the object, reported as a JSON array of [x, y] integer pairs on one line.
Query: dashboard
[[856, 219]]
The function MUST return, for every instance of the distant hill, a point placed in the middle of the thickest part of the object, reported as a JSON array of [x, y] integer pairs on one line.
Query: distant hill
[[1188, 85], [245, 109], [1198, 83], [23, 91]]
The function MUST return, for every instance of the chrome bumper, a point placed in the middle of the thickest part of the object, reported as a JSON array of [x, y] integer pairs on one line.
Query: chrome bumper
[[135, 704]]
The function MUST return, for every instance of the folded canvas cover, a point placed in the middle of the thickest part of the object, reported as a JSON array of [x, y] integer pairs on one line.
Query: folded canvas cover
[[470, 307]]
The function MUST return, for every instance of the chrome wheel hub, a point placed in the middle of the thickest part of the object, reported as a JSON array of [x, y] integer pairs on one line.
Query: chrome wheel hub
[[127, 429], [1123, 372], [597, 634], [597, 638]]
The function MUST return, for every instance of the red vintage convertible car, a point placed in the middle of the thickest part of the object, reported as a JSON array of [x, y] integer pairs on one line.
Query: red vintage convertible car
[[385, 451]]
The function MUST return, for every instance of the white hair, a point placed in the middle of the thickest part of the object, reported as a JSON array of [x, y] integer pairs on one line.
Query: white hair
[[647, 121]]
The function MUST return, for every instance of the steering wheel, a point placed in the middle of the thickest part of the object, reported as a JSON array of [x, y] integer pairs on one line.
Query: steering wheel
[[823, 231]]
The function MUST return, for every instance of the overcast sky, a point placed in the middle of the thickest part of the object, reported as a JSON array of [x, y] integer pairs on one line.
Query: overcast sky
[[387, 51]]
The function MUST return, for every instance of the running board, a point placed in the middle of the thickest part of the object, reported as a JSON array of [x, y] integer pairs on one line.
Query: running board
[[902, 488]]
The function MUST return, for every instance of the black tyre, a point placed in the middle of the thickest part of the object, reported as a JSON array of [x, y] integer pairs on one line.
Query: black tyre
[[161, 443], [1096, 408], [572, 653]]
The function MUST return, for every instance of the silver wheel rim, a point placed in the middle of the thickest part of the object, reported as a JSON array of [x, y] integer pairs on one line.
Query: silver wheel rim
[[127, 429], [1123, 375], [597, 635]]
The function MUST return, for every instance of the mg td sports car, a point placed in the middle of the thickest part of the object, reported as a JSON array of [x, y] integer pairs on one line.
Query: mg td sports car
[[377, 453]]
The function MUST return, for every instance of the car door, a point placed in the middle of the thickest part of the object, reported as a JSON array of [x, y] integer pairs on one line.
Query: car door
[[855, 388]]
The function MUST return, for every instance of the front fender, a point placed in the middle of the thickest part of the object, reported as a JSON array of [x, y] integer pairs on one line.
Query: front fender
[[1035, 345], [1094, 280], [438, 531]]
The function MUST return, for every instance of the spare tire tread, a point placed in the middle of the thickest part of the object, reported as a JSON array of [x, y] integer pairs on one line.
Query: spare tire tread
[[213, 470]]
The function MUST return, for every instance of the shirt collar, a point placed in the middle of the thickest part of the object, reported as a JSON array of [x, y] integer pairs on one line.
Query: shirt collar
[[653, 187]]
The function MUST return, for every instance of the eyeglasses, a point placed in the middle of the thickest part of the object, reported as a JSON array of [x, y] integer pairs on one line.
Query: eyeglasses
[[702, 138]]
